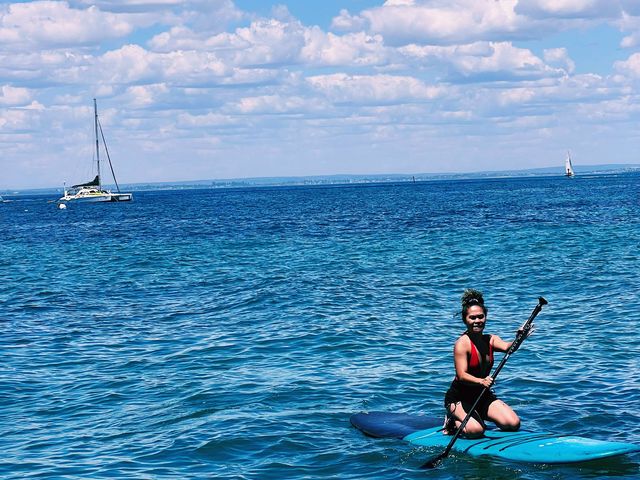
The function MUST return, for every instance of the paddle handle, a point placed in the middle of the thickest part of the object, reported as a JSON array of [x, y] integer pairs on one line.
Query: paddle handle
[[523, 332]]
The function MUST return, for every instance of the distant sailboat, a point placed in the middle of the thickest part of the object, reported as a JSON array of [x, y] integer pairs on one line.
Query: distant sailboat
[[568, 168], [92, 191]]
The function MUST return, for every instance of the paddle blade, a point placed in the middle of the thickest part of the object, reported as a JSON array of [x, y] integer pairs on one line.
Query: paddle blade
[[433, 463]]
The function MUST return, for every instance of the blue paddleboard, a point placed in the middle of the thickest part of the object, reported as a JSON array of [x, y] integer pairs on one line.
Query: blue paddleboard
[[521, 446]]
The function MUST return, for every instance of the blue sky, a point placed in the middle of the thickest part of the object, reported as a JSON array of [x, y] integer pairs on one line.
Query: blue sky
[[214, 89]]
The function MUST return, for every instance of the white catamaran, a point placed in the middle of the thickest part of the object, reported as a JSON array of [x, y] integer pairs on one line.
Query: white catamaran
[[92, 191], [568, 168]]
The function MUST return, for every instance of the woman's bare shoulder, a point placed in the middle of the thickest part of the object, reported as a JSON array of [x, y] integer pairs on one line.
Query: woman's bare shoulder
[[462, 343]]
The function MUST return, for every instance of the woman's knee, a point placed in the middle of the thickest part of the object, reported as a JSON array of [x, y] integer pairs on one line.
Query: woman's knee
[[473, 429], [503, 416], [510, 423]]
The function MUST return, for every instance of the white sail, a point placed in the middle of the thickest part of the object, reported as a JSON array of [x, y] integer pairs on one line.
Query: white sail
[[568, 167]]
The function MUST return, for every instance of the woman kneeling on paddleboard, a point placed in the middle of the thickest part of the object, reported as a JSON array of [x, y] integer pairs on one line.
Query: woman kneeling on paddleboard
[[473, 358]]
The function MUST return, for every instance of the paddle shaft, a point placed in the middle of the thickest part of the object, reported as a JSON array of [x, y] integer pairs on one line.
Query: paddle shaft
[[520, 336]]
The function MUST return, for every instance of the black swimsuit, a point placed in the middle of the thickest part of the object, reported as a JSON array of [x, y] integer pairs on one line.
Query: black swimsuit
[[480, 361]]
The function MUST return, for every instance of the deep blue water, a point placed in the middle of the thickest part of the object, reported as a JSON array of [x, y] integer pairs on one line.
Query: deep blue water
[[231, 333]]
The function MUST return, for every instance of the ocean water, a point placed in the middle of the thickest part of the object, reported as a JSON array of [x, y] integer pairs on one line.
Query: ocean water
[[231, 333]]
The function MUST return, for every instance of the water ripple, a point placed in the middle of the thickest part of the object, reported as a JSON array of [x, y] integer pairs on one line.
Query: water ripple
[[231, 333]]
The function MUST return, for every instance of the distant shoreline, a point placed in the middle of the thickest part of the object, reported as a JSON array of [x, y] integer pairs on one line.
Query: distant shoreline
[[586, 170]]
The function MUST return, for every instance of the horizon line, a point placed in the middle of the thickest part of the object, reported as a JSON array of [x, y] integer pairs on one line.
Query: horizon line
[[405, 177]]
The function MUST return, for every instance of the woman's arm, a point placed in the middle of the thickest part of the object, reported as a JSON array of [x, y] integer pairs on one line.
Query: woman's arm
[[500, 345], [460, 352]]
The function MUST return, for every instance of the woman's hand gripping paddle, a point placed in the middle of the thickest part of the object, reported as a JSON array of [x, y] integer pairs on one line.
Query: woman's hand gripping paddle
[[523, 333]]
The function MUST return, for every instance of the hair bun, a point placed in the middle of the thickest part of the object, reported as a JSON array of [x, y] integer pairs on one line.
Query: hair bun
[[472, 297]]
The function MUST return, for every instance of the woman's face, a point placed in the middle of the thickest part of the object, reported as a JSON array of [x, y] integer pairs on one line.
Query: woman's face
[[475, 319]]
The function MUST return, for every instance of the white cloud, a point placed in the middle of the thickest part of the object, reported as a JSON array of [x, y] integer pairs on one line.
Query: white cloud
[[516, 96], [270, 42], [277, 104], [14, 96], [209, 15], [345, 22], [559, 57], [128, 5], [275, 43], [485, 61], [146, 95], [394, 3], [443, 22], [631, 25], [134, 64], [577, 9], [354, 49], [14, 120], [41, 67], [47, 24], [439, 22], [187, 120], [264, 42], [372, 89], [629, 67], [177, 38]]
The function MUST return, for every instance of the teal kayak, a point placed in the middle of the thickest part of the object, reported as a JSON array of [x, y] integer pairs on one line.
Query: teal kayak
[[520, 446]]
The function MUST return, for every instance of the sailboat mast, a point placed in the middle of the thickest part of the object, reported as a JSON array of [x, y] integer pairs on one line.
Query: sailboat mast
[[95, 111]]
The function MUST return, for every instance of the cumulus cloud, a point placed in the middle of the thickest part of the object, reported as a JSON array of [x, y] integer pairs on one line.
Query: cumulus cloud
[[188, 120], [14, 120], [516, 96], [629, 67], [264, 42], [131, 65], [439, 22], [372, 89], [572, 9], [146, 95], [276, 104], [40, 68], [134, 64], [505, 60], [135, 5], [14, 96], [205, 14], [326, 49], [47, 24], [270, 42], [345, 22], [278, 43], [631, 25], [486, 61], [559, 57]]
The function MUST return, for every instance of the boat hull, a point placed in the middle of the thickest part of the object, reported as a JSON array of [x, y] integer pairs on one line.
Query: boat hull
[[107, 197]]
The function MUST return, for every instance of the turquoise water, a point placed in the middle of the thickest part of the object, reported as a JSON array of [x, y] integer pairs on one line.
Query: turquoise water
[[231, 333]]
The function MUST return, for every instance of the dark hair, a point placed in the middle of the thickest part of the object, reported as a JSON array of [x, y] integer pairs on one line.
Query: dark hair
[[471, 298]]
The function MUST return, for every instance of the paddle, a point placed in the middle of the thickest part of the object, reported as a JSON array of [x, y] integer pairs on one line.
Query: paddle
[[520, 336]]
